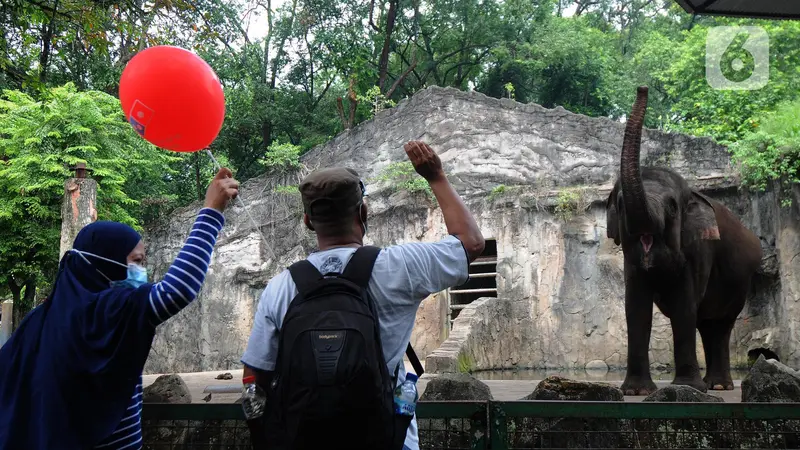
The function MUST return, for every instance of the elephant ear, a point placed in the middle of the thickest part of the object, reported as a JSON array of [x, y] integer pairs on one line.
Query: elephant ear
[[612, 217], [699, 222]]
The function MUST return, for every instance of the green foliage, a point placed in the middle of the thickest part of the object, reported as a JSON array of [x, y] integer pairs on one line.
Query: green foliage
[[375, 100], [283, 87], [502, 190], [509, 89], [497, 192], [185, 180], [560, 62], [466, 363], [282, 157], [401, 176], [724, 115], [39, 142], [569, 202], [773, 151], [287, 190]]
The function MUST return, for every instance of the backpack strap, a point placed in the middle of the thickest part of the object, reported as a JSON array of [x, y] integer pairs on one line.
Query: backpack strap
[[305, 276], [412, 358], [359, 269]]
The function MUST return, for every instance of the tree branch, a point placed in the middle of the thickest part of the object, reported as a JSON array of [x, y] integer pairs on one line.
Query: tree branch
[[466, 63], [371, 23], [48, 9], [47, 39], [13, 286], [324, 91], [383, 62], [400, 79]]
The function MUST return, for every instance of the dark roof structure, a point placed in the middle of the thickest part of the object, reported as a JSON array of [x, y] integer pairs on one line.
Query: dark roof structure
[[757, 9]]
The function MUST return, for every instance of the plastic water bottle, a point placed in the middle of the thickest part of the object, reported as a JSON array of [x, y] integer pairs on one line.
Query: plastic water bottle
[[406, 396], [253, 398]]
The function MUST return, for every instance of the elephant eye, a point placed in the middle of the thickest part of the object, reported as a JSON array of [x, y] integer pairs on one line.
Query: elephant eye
[[672, 207]]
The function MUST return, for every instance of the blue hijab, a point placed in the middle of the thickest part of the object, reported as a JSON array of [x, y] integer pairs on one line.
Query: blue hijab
[[69, 370]]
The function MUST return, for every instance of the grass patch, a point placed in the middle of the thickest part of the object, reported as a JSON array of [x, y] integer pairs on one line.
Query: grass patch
[[571, 202], [401, 176], [287, 189], [465, 363]]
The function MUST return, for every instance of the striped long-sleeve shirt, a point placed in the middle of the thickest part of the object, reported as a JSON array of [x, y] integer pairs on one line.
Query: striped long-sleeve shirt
[[168, 297]]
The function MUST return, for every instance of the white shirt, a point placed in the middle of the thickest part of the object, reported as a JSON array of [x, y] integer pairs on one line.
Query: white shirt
[[402, 277]]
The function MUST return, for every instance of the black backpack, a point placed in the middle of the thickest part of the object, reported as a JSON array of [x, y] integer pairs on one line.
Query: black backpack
[[332, 388]]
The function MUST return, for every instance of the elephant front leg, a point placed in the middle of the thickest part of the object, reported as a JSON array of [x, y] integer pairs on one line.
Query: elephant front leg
[[684, 324], [639, 318]]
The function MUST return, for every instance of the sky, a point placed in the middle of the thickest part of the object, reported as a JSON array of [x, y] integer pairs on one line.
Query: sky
[[257, 22]]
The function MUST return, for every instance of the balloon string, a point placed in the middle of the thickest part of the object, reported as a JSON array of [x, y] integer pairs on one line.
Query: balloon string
[[246, 210]]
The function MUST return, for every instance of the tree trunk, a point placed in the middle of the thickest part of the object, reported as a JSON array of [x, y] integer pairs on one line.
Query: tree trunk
[[267, 41], [30, 293], [383, 63], [266, 125], [20, 308], [47, 40]]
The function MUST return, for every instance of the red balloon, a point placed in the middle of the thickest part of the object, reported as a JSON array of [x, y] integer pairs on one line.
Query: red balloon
[[172, 98]]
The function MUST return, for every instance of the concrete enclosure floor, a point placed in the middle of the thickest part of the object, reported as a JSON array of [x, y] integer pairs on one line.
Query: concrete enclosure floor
[[201, 384]]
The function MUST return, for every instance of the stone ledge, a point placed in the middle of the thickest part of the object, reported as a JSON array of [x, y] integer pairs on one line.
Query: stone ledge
[[527, 196], [453, 354]]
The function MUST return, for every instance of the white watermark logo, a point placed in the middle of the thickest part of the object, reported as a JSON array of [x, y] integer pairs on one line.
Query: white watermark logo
[[747, 63]]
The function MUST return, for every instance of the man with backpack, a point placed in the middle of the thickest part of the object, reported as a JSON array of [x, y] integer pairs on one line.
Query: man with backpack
[[330, 332]]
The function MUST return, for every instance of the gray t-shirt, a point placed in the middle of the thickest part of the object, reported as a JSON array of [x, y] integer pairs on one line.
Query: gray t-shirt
[[403, 276]]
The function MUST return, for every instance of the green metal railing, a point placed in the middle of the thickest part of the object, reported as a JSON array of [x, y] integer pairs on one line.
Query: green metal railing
[[520, 425]]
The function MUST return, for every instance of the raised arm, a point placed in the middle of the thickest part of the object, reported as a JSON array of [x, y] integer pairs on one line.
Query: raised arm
[[186, 275], [457, 218]]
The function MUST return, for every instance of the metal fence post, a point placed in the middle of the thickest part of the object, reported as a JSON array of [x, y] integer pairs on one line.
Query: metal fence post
[[498, 426], [479, 426]]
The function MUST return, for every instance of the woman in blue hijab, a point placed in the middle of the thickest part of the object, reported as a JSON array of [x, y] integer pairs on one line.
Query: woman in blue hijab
[[71, 374]]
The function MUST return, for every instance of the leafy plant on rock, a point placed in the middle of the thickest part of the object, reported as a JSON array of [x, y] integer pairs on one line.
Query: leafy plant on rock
[[569, 202], [401, 176], [282, 157], [497, 191]]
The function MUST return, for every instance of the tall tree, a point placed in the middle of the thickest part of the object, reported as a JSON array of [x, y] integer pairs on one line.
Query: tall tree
[[40, 141]]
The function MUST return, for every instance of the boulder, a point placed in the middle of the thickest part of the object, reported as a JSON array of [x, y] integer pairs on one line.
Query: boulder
[[167, 389], [677, 393], [597, 365], [558, 388], [164, 434], [452, 432], [771, 381], [456, 386], [569, 432], [706, 433]]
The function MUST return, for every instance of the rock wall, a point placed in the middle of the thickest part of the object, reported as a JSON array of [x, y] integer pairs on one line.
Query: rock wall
[[537, 180]]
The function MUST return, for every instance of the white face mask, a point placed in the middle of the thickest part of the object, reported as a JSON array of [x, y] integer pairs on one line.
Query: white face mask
[[137, 275]]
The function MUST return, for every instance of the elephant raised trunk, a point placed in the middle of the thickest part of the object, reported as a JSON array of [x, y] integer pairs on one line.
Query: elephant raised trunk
[[637, 214]]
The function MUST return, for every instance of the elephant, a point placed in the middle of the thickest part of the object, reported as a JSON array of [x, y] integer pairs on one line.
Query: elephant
[[683, 251]]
